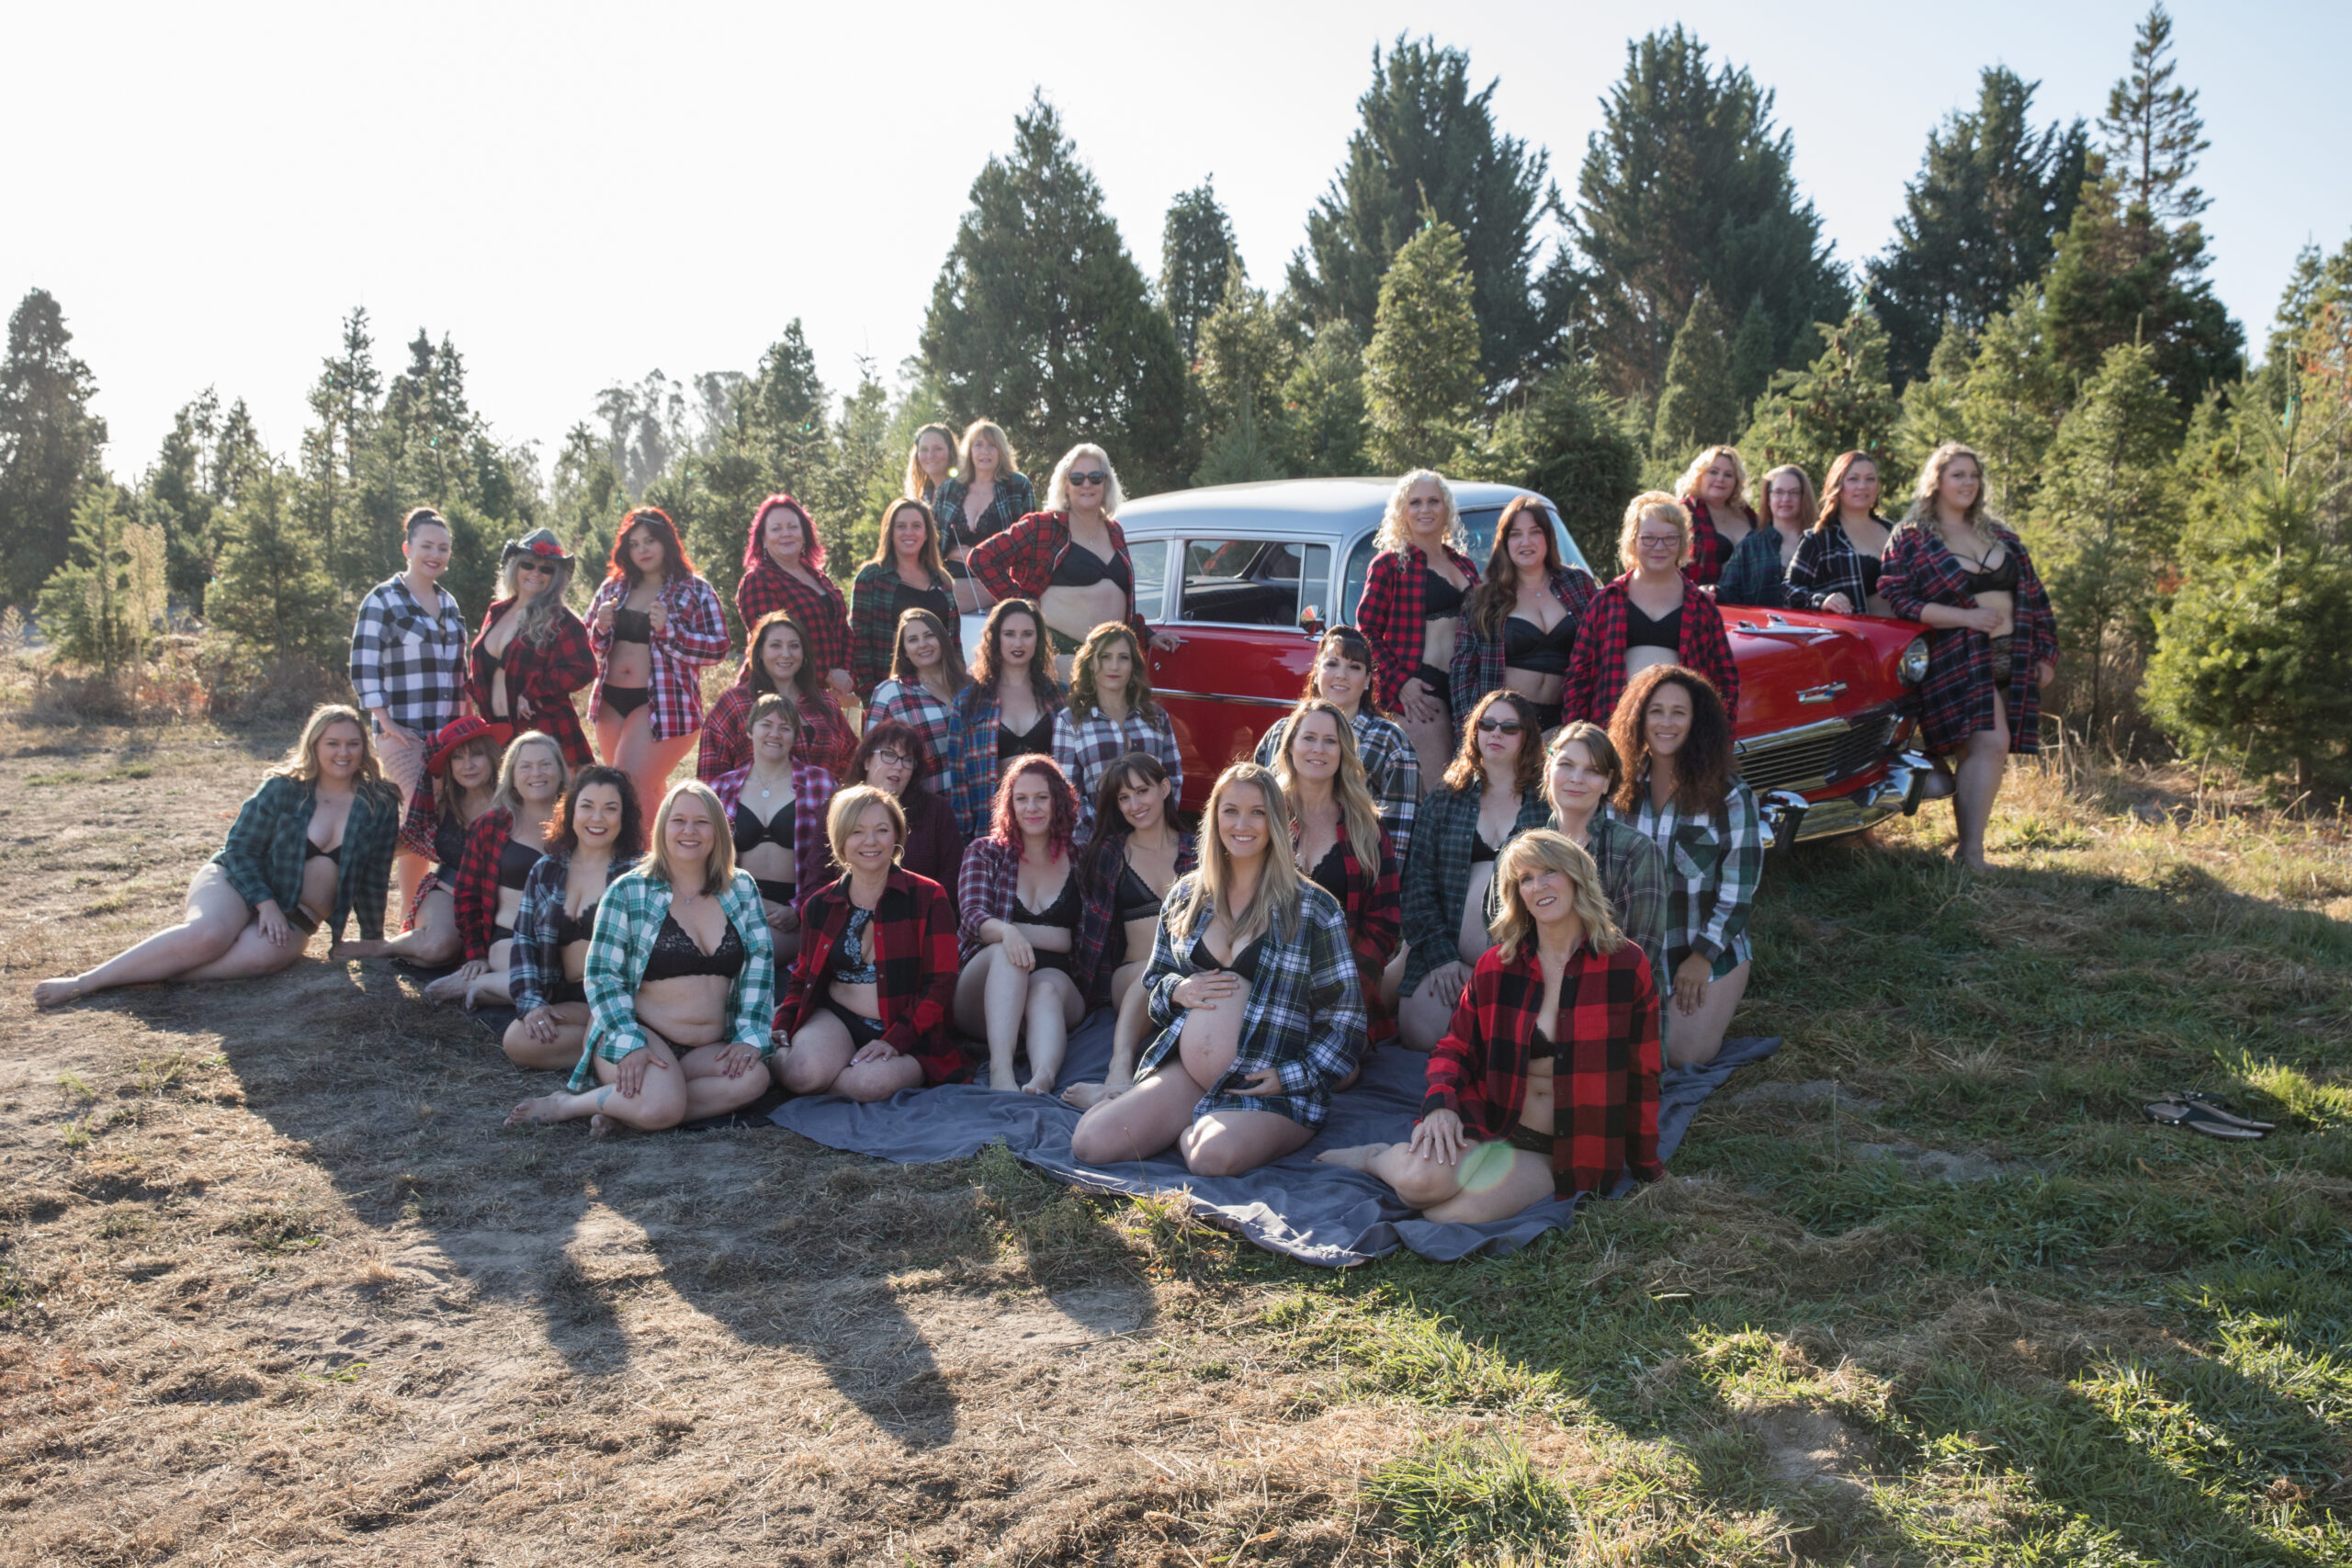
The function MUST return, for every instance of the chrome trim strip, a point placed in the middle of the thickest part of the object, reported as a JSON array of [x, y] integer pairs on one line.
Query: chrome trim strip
[[1285, 704]]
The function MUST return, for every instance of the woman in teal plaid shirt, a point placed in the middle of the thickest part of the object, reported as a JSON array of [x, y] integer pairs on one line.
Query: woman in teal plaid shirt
[[681, 982]]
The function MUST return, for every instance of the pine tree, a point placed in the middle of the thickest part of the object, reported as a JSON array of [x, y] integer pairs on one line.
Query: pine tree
[[1422, 371], [1246, 351], [1932, 412], [50, 444], [2121, 277], [1754, 350], [1979, 221], [1840, 402], [1324, 414], [343, 404], [176, 496], [1426, 140], [1689, 186], [101, 605], [2153, 133], [2010, 403], [1698, 406], [273, 590], [1041, 321], [2316, 282], [1196, 251]]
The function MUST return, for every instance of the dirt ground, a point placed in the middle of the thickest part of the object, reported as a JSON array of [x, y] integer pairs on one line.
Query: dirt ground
[[276, 1288]]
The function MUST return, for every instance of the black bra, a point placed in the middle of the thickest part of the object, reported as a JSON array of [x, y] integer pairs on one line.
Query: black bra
[[1529, 647], [1481, 852], [1061, 913], [1038, 742], [675, 955], [1081, 568], [2002, 579], [1330, 873], [448, 841], [779, 829], [1439, 598], [1136, 899], [852, 961], [1245, 963], [632, 625], [570, 927], [1643, 632], [515, 863], [334, 854]]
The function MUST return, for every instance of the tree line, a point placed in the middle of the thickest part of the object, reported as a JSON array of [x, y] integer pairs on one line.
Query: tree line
[[2045, 299]]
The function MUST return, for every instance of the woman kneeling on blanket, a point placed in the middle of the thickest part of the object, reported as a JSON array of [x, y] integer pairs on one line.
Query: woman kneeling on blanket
[[681, 982], [866, 1011], [1550, 1066], [1253, 991]]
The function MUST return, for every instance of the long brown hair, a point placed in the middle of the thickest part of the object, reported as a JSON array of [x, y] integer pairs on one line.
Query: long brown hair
[[804, 680], [1836, 482], [1352, 646], [885, 549], [990, 667], [1131, 769], [1466, 771], [1491, 598], [951, 651], [1085, 698], [1703, 769]]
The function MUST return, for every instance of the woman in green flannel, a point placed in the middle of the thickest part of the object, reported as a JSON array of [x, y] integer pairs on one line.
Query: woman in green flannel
[[681, 982], [312, 846]]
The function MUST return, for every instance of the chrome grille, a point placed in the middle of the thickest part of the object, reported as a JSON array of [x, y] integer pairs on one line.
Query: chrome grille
[[1814, 756]]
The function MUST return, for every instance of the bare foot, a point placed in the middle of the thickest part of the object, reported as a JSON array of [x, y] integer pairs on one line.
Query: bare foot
[[1038, 1085], [1087, 1096], [1004, 1078], [1360, 1158], [602, 1126], [532, 1112], [57, 992], [448, 988]]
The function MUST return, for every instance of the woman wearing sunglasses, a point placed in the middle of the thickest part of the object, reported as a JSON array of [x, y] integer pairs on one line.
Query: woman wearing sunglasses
[[1493, 789], [526, 665]]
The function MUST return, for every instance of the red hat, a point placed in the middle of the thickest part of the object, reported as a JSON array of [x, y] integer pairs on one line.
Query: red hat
[[457, 733]]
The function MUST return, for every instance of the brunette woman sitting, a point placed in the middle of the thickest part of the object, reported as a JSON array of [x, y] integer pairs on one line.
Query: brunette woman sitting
[[312, 846], [926, 675], [1135, 856], [775, 814], [892, 758], [1019, 896], [776, 661], [680, 982], [1111, 712], [866, 1007], [1546, 1082], [1345, 850], [459, 786], [597, 834], [1255, 997], [501, 850]]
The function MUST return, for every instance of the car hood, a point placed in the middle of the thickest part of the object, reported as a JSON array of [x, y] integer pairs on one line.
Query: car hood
[[1797, 668]]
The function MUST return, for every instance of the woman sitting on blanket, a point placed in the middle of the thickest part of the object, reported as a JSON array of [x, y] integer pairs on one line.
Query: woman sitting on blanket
[[595, 835], [866, 1008], [1138, 853], [1254, 992], [1019, 896], [681, 982], [1546, 1085]]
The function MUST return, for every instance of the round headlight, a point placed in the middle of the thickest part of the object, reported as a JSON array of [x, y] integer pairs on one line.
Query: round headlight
[[1913, 666]]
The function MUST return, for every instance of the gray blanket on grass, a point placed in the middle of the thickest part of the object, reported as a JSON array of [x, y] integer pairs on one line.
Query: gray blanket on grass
[[1317, 1213]]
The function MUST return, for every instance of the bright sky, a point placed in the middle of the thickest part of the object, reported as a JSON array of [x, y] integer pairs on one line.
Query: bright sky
[[580, 194]]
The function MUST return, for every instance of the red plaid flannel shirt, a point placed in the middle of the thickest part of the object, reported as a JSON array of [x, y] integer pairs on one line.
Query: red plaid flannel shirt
[[1020, 562], [821, 611], [1596, 676], [476, 892], [1098, 919], [725, 745], [912, 945], [1956, 698], [812, 796], [696, 635], [1710, 551], [1605, 1065], [1389, 615], [543, 677], [1375, 929]]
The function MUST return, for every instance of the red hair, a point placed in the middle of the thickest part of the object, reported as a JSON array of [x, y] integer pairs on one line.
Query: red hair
[[812, 549], [673, 549], [1059, 832]]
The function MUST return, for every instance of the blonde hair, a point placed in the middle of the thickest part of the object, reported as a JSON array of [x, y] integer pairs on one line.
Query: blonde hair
[[1085, 696], [505, 796], [1538, 850], [1652, 503], [719, 870], [541, 615], [1058, 489], [849, 804], [1931, 479], [1277, 898], [916, 478], [1006, 463], [1395, 531], [302, 759], [1359, 814], [1688, 483], [1808, 502]]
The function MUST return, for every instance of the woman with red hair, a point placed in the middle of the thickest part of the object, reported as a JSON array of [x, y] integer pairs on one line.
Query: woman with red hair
[[1020, 895], [784, 568], [654, 624]]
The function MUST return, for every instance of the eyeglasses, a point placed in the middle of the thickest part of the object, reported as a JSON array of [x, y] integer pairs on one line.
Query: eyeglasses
[[892, 758], [1499, 727], [1099, 476], [1659, 541]]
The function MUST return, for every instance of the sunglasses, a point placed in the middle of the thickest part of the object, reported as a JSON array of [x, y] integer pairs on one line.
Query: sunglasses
[[1099, 476], [1499, 727], [539, 566]]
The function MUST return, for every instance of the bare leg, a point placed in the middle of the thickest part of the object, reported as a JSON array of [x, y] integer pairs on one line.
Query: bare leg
[[490, 988], [1436, 1189], [659, 1101], [252, 954], [1421, 1019], [709, 1092], [1392, 977], [1053, 1011], [1433, 746], [819, 1050], [430, 941], [213, 919], [1140, 1123], [992, 998], [408, 870], [1127, 1039], [1226, 1143], [1694, 1038], [1983, 758], [549, 1055], [866, 1082], [649, 763]]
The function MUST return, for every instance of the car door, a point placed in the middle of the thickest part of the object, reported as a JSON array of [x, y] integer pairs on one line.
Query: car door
[[1239, 601]]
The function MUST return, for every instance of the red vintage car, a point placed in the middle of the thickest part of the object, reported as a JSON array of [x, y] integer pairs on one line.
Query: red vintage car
[[1249, 574]]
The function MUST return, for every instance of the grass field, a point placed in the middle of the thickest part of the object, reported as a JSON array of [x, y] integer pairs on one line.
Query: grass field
[[276, 1288]]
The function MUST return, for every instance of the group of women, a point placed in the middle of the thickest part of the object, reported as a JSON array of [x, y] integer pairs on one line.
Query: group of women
[[1503, 824]]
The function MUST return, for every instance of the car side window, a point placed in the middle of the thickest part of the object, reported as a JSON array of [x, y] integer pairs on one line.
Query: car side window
[[1254, 582], [1352, 588], [1150, 559]]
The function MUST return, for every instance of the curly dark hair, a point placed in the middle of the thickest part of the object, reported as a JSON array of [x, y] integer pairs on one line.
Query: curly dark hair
[[674, 563], [630, 843], [1061, 829], [988, 669], [1705, 765]]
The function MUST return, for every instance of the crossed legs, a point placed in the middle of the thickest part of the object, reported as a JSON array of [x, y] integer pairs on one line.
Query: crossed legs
[[218, 938], [818, 1062]]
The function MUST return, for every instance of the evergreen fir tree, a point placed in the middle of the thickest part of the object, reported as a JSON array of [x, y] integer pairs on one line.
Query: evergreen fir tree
[[273, 590], [1422, 371], [49, 445], [343, 404], [1932, 412], [1698, 406], [1246, 351], [2010, 403], [100, 607], [1324, 414], [1569, 440], [2153, 133], [176, 496], [1195, 253], [2121, 277], [1754, 354], [1839, 402]]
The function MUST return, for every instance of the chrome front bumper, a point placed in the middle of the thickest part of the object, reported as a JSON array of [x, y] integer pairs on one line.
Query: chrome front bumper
[[1790, 818]]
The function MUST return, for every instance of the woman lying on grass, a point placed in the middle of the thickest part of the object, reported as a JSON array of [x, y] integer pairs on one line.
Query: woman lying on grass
[[680, 982], [1546, 1085], [312, 846]]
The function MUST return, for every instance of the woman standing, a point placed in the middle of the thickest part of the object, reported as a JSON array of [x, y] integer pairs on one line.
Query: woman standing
[[312, 846], [1071, 557], [1492, 790], [1412, 605], [532, 652], [1111, 712], [1714, 495], [776, 817], [1519, 624], [1992, 640], [784, 568], [654, 624], [927, 675], [985, 497], [1343, 849], [1254, 994], [1006, 712], [681, 985], [1682, 790], [930, 461], [1758, 573], [1020, 901], [597, 834], [1656, 614], [776, 662], [906, 574], [1550, 1064], [408, 660], [1836, 566], [460, 783], [501, 848], [892, 758], [1342, 676], [1135, 856], [865, 1009]]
